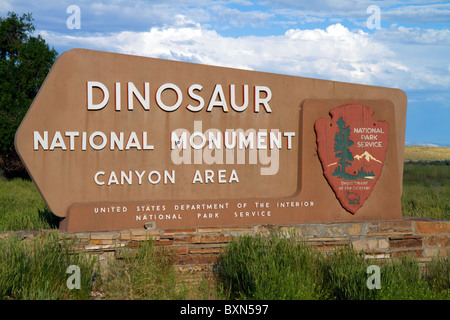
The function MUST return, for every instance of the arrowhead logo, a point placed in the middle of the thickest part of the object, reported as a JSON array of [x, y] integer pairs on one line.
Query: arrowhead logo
[[352, 149]]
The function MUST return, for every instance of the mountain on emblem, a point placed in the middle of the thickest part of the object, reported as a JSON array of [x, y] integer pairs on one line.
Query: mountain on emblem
[[366, 156], [352, 149]]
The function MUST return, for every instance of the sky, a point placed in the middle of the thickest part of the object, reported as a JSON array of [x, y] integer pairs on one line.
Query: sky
[[393, 43]]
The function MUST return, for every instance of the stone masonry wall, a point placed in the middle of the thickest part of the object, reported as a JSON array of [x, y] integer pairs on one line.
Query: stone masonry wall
[[197, 249]]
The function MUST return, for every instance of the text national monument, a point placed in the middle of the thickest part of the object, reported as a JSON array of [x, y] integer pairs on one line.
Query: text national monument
[[116, 142]]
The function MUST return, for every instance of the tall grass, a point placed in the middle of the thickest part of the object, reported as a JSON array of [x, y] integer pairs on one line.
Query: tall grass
[[37, 269], [146, 272], [274, 267], [426, 190], [257, 267], [277, 267], [345, 275]]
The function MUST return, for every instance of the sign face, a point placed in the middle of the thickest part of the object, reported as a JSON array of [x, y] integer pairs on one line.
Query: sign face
[[115, 142], [352, 148]]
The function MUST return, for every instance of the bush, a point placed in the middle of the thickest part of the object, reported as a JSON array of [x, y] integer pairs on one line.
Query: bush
[[344, 273], [36, 269], [269, 268], [277, 267], [438, 275], [146, 272]]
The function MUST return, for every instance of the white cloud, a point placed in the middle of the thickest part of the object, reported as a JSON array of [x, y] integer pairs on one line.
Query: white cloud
[[280, 37], [409, 58], [392, 11], [424, 51], [414, 35], [334, 53], [422, 13]]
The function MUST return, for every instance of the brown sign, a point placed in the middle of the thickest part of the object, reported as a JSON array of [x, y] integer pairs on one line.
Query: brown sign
[[115, 142]]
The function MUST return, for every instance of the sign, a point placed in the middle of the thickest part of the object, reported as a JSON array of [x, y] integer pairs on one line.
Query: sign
[[352, 149], [116, 142]]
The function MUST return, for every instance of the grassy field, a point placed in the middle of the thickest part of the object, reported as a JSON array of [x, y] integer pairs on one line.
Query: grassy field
[[426, 183], [426, 154], [426, 190], [22, 207]]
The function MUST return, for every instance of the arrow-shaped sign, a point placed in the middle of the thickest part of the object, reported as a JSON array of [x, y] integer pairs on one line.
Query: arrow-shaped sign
[[133, 139]]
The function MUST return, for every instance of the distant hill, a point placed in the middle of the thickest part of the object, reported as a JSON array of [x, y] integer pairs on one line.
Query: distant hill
[[421, 153]]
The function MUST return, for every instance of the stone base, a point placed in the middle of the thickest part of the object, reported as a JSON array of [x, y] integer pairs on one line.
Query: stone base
[[197, 249]]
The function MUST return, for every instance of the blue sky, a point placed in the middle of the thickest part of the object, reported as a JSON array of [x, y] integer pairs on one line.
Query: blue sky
[[322, 39]]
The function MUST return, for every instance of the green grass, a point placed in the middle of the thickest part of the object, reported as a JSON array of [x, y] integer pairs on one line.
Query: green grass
[[148, 273], [426, 182], [36, 269], [277, 267], [256, 268], [142, 273], [22, 207], [274, 267], [426, 191]]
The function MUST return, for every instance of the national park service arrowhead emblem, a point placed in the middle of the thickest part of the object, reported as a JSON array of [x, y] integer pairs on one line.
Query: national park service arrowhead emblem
[[352, 149]]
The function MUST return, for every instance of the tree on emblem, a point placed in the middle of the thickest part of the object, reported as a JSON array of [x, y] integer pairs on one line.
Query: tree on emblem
[[341, 147]]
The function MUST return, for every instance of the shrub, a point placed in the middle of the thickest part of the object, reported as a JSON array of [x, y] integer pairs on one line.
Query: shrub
[[146, 272], [344, 273], [36, 268], [279, 267], [275, 267]]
